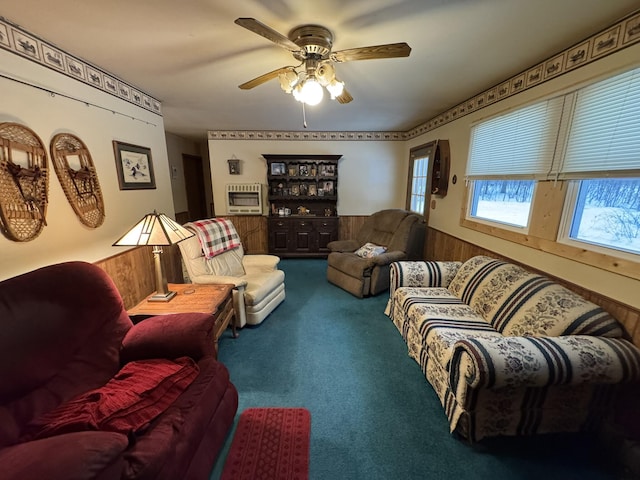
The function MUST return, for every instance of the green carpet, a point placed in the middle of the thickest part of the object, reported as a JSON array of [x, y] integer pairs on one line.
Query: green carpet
[[373, 414]]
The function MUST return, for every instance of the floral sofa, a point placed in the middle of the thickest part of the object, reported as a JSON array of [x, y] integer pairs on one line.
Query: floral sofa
[[509, 352]]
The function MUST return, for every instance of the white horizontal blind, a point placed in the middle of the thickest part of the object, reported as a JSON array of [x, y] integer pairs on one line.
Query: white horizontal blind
[[519, 144], [604, 135]]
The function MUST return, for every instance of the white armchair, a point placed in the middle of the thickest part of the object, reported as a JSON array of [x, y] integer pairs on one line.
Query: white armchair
[[259, 284]]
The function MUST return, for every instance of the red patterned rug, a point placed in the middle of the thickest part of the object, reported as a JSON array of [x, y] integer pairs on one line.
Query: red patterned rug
[[270, 444]]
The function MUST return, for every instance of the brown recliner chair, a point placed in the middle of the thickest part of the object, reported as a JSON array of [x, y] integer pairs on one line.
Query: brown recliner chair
[[400, 231]]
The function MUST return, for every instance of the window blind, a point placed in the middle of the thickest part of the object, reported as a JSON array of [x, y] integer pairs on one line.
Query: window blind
[[519, 144], [604, 135]]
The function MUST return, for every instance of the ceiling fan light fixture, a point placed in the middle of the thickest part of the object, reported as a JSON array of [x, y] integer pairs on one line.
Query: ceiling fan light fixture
[[325, 74], [335, 88], [311, 92], [288, 80], [312, 46]]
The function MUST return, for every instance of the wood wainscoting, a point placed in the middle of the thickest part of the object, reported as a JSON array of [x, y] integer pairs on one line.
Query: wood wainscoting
[[133, 271], [442, 246]]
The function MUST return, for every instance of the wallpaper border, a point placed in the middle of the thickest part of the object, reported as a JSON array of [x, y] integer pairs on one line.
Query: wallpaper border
[[614, 38], [19, 41]]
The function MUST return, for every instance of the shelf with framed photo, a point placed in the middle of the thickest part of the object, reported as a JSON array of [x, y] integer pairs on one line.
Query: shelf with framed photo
[[303, 193]]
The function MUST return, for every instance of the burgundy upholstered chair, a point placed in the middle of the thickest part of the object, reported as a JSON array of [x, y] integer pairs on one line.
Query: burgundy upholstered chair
[[64, 332]]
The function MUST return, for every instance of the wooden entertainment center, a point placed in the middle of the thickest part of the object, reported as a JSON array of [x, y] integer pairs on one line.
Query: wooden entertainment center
[[303, 198]]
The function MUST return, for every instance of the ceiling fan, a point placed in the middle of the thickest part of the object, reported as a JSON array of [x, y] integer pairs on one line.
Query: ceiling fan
[[311, 45]]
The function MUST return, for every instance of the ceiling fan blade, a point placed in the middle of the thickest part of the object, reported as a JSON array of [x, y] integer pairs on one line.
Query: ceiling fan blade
[[390, 50], [344, 97], [267, 32], [264, 78]]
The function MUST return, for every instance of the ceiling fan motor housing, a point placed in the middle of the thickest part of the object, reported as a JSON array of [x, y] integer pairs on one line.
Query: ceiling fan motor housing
[[315, 41]]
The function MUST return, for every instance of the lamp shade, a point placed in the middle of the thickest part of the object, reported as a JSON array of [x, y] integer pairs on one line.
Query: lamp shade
[[154, 229]]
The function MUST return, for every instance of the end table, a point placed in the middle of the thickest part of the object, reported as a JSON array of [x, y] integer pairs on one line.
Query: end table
[[216, 300]]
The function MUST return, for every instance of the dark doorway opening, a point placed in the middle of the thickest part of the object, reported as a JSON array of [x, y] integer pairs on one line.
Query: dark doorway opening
[[194, 186]]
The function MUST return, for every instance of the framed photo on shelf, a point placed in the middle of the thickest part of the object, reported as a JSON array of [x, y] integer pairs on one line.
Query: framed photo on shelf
[[295, 190], [293, 170], [134, 166], [313, 190], [278, 169], [303, 170], [304, 190], [327, 188], [327, 170]]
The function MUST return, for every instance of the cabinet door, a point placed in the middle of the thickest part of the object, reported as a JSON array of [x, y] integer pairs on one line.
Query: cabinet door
[[278, 236], [327, 232], [304, 237]]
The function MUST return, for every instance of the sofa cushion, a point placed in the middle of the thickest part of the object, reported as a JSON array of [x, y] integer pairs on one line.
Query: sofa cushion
[[350, 264], [228, 263], [9, 430], [140, 392], [413, 306], [517, 302], [261, 284], [197, 421], [553, 310], [78, 456]]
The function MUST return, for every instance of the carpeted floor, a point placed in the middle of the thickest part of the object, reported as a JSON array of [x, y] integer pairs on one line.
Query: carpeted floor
[[374, 416]]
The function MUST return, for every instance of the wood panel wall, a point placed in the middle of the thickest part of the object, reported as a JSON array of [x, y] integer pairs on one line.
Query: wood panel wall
[[441, 246], [133, 270]]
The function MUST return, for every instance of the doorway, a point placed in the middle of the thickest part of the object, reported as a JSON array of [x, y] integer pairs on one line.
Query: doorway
[[194, 186]]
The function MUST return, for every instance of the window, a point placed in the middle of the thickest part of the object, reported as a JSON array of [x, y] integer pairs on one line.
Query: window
[[563, 175], [508, 153], [604, 141], [502, 201], [419, 177], [606, 213]]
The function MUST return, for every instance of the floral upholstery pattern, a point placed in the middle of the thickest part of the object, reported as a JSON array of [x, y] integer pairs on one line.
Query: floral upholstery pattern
[[517, 302], [509, 352], [370, 250], [420, 274]]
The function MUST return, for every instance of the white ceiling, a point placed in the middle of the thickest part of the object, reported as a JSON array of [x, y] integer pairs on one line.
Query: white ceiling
[[191, 56]]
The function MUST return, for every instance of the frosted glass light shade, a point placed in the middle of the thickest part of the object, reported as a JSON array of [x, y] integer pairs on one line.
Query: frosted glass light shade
[[335, 88], [311, 92]]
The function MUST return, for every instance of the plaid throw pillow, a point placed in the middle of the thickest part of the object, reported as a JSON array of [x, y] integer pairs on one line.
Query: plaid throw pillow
[[216, 235]]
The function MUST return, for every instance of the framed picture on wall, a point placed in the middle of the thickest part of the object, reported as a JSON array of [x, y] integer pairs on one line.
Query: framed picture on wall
[[134, 166]]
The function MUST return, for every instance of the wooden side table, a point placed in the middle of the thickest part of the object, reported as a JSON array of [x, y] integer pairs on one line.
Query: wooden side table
[[216, 300]]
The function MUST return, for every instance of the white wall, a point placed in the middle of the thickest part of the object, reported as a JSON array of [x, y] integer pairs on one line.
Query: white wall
[[65, 238], [446, 215], [176, 147], [372, 174]]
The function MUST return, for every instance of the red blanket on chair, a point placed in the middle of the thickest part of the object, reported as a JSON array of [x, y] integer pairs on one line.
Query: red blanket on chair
[[140, 392]]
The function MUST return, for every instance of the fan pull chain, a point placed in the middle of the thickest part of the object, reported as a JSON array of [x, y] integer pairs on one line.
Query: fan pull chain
[[304, 116]]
